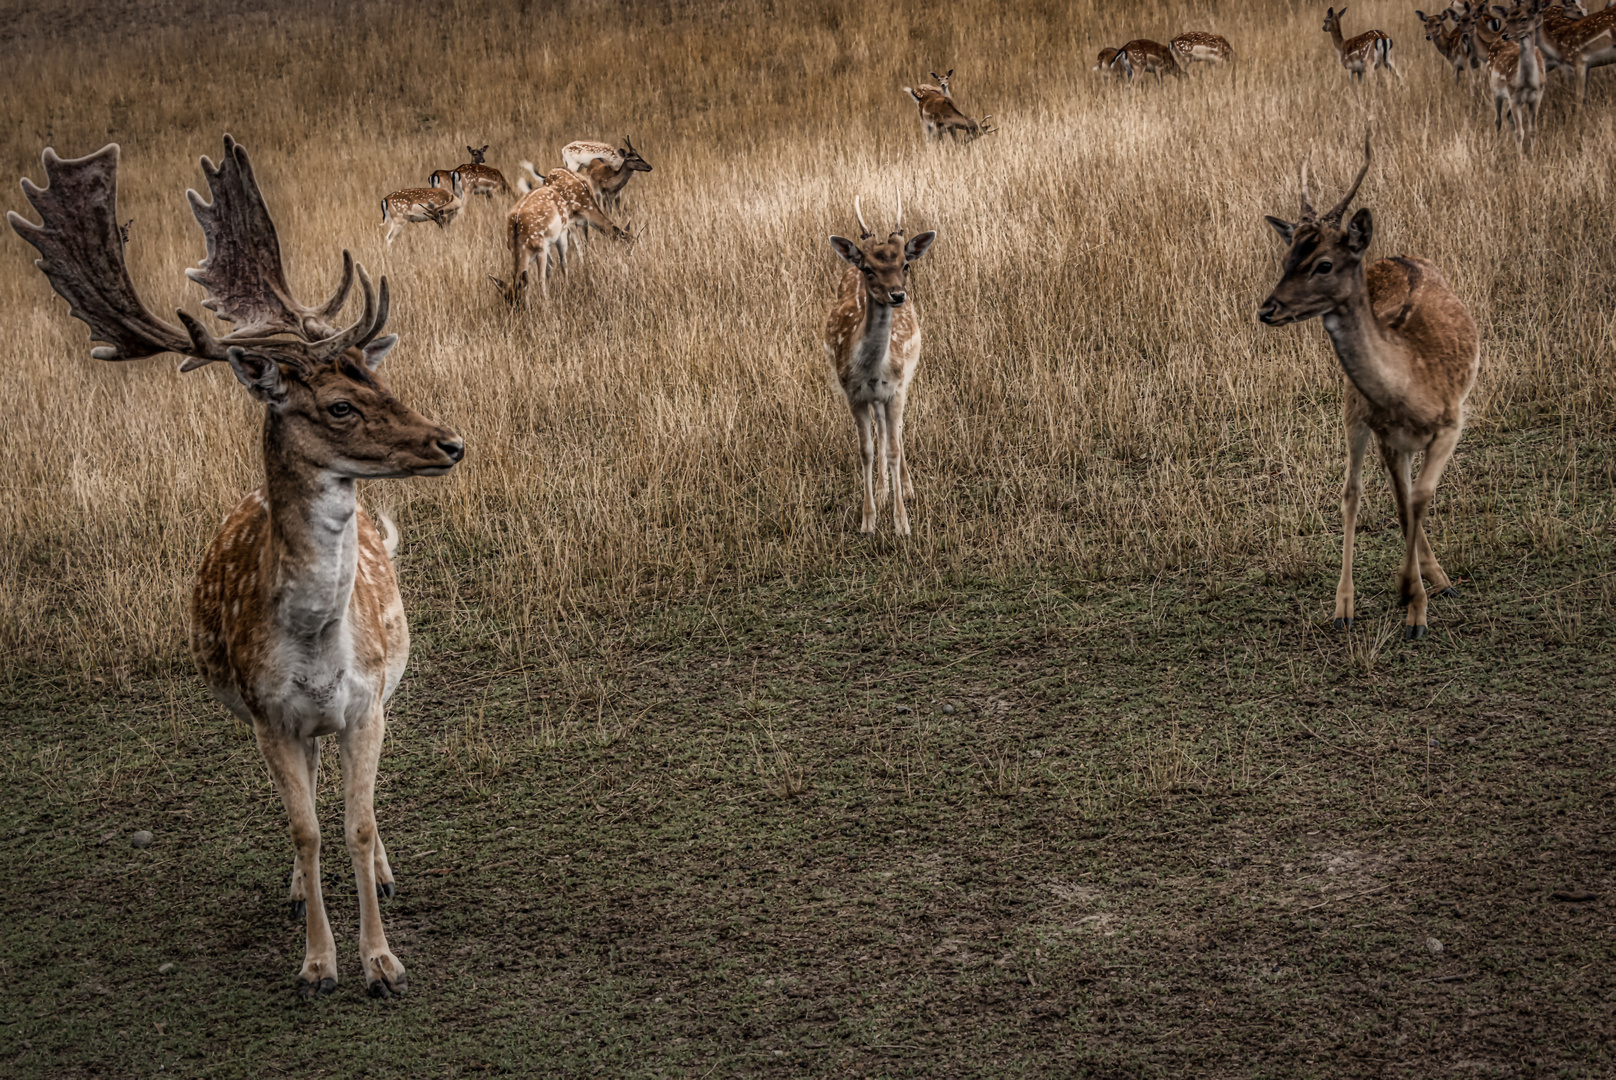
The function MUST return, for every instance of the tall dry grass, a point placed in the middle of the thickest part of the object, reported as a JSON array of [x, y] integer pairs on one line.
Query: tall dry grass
[[1094, 392]]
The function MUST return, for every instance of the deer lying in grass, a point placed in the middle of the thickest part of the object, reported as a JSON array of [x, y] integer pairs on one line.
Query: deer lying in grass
[[439, 203], [540, 223], [481, 178], [1410, 352], [872, 340], [1366, 52], [1199, 47], [940, 117], [296, 620], [606, 168]]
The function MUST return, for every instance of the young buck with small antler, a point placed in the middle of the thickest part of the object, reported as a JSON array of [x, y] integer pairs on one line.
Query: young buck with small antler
[[296, 620], [1410, 352], [940, 117], [1144, 55], [1200, 47], [440, 202], [540, 224], [872, 340], [1366, 52], [481, 178], [607, 168]]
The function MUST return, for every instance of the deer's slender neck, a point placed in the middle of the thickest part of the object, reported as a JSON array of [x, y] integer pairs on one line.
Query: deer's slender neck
[[313, 542], [1376, 366], [1335, 36], [871, 346]]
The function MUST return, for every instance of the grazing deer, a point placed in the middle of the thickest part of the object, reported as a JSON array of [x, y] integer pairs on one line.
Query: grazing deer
[[940, 117], [439, 202], [607, 168], [480, 178], [1366, 52], [1410, 352], [1196, 46], [1449, 41], [540, 223], [872, 340], [296, 621], [1578, 42], [1103, 65], [1144, 55], [1515, 70]]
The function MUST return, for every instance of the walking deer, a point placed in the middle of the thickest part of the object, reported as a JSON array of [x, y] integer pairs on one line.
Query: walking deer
[[1410, 352], [1197, 46], [607, 168], [872, 341], [297, 624], [1366, 52], [439, 203], [1144, 55]]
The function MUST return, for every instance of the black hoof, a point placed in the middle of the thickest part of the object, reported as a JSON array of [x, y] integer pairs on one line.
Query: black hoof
[[308, 991], [385, 890], [1413, 633], [381, 988], [1343, 624], [300, 910], [1451, 590]]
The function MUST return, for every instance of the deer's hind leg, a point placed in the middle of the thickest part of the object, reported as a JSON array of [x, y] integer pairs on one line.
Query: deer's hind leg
[[292, 765], [361, 746]]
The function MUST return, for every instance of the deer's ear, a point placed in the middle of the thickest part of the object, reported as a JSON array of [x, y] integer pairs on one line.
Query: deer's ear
[[259, 374], [1359, 231], [921, 244], [377, 351], [847, 250], [1284, 228], [1420, 15]]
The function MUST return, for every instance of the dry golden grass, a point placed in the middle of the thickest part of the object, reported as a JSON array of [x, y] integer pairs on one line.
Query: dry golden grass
[[1094, 391]]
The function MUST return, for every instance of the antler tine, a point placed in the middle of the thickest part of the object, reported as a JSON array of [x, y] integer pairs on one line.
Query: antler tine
[[864, 230], [1308, 213], [1334, 216], [81, 255], [242, 272], [898, 228], [362, 332]]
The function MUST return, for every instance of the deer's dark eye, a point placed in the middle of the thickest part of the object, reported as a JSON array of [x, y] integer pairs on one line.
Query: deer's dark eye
[[340, 409], [906, 268], [1322, 266]]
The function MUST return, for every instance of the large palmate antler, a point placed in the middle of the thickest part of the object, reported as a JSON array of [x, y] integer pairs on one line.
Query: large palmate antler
[[82, 257]]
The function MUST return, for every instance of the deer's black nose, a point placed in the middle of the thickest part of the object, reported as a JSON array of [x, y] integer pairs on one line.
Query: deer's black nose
[[454, 448], [898, 299]]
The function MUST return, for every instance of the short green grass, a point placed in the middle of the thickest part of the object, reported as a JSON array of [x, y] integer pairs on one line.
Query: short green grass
[[854, 824]]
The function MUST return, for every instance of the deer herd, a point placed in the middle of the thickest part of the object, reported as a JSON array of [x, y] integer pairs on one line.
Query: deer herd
[[297, 623]]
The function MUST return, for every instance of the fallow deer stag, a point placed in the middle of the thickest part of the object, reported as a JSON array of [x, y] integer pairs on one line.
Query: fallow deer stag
[[1148, 56], [940, 117], [1410, 352], [479, 177], [1200, 47], [607, 168], [439, 203], [296, 621], [872, 340], [539, 224], [1366, 52]]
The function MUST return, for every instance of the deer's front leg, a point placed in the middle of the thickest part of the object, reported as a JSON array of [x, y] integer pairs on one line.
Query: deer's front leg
[[1410, 587], [292, 762], [1351, 497], [895, 465], [361, 750], [863, 416]]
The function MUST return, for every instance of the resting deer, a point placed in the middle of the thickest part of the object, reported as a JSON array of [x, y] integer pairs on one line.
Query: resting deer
[[481, 178], [539, 224], [872, 340], [940, 117], [1515, 70], [1197, 46], [607, 168], [1410, 352], [440, 202], [1144, 55], [296, 620], [1366, 52]]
